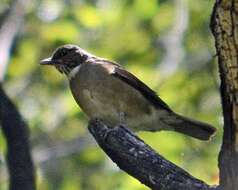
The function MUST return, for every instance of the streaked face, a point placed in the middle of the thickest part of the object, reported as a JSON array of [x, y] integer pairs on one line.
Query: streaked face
[[66, 58]]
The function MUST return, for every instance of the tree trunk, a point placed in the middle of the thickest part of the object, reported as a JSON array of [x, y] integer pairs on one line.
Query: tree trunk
[[224, 25]]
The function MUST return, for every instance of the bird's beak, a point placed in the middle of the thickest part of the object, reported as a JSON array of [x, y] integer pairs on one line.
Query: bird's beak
[[47, 61]]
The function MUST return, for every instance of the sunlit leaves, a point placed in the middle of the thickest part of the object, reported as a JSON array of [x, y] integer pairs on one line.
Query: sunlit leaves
[[65, 31], [88, 16], [164, 17], [145, 10], [25, 59]]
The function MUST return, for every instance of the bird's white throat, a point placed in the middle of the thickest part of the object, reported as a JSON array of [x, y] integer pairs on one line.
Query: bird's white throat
[[73, 72]]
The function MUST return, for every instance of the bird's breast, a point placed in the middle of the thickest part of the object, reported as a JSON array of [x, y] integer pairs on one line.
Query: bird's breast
[[100, 95]]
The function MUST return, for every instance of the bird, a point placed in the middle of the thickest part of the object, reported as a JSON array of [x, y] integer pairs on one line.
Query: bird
[[105, 90]]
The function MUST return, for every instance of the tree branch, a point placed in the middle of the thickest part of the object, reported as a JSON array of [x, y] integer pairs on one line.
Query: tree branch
[[20, 166], [139, 160]]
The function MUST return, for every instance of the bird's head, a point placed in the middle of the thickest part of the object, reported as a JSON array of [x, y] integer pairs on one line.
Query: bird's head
[[66, 58]]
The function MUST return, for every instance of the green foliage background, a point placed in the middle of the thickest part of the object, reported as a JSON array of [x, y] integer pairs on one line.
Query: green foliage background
[[131, 32]]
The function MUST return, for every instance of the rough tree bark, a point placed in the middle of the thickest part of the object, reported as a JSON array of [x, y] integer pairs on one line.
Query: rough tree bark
[[136, 158], [139, 160], [224, 25]]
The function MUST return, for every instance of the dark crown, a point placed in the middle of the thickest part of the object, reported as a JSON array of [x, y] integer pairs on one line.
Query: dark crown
[[69, 56], [64, 50]]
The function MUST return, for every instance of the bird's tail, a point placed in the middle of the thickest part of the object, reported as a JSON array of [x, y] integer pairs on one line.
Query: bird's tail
[[190, 127]]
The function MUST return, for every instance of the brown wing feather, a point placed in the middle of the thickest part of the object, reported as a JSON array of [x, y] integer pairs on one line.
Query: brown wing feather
[[148, 93]]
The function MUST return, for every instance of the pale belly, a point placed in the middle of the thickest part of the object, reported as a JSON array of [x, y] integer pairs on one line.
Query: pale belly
[[114, 102]]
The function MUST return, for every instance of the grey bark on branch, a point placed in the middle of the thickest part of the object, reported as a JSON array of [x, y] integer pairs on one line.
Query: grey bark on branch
[[139, 160], [15, 130]]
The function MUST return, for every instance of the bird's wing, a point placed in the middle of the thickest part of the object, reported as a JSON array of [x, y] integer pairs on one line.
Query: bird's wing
[[133, 81]]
